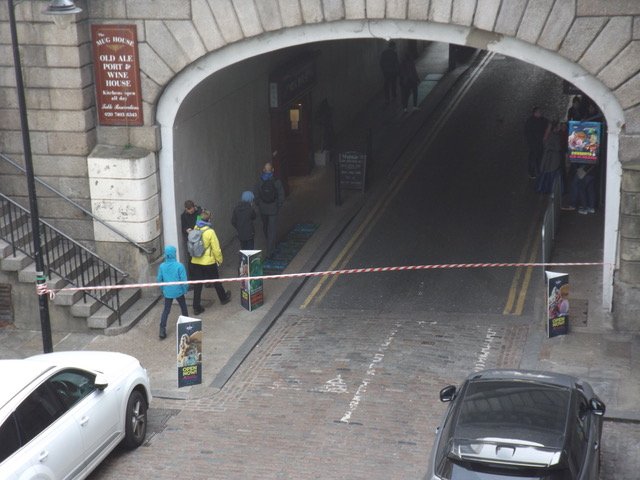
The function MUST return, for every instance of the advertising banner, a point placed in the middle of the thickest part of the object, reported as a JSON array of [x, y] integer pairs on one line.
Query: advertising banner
[[584, 142], [189, 342], [557, 303], [251, 292], [117, 74]]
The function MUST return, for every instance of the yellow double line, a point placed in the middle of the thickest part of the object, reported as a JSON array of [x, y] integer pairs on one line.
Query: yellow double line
[[358, 237], [322, 287], [515, 300]]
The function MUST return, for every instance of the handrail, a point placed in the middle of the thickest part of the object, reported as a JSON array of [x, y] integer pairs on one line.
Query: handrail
[[550, 219], [63, 256], [84, 210]]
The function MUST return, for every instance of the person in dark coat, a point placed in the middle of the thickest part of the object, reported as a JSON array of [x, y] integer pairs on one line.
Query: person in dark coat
[[552, 157], [390, 65], [575, 111], [188, 219], [409, 81], [269, 195], [171, 270], [534, 131], [242, 219]]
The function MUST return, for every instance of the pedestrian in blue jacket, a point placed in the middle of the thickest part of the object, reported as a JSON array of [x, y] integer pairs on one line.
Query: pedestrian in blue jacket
[[171, 270]]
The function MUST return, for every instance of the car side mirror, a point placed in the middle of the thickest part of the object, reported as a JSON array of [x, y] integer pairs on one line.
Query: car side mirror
[[101, 382], [448, 393], [597, 407]]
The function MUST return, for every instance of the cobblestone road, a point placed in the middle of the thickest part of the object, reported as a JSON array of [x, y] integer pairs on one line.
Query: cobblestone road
[[347, 395], [336, 396]]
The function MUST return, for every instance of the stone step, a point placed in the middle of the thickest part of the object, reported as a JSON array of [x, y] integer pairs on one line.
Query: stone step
[[5, 249], [132, 316], [15, 263], [65, 297], [103, 317], [28, 275]]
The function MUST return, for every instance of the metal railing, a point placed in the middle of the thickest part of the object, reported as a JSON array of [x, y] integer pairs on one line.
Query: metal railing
[[143, 249], [71, 261], [550, 221]]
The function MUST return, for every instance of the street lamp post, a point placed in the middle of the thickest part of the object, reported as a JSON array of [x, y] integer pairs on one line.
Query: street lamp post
[[56, 7]]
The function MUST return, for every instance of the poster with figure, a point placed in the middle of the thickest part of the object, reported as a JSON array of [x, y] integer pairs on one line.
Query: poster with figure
[[584, 142], [189, 351], [251, 291], [557, 303]]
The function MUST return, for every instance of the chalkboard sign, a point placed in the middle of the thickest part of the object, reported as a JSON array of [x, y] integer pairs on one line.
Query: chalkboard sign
[[353, 167]]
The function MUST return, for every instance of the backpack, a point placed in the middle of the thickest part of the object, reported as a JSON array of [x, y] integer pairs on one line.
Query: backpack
[[195, 243], [268, 192]]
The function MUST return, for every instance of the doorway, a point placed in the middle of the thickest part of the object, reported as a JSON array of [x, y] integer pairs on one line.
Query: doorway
[[291, 138]]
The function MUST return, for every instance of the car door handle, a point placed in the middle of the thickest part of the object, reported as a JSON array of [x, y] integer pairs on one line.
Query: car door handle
[[596, 446], [43, 456], [83, 421]]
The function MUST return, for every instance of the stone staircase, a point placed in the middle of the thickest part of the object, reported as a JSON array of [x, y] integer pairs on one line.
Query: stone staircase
[[68, 264]]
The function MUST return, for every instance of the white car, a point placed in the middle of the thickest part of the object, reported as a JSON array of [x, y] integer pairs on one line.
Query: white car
[[62, 413]]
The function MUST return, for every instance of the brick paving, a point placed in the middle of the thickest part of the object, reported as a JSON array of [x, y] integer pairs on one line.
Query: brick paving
[[620, 451], [282, 415]]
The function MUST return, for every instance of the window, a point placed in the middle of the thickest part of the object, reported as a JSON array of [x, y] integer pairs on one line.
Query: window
[[579, 426], [38, 411], [9, 440], [72, 386]]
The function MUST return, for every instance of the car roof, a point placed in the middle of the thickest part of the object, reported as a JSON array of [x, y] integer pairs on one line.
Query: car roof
[[15, 375], [514, 411], [523, 411]]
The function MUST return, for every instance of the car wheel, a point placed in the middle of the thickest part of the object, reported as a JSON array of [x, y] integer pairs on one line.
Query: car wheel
[[136, 420]]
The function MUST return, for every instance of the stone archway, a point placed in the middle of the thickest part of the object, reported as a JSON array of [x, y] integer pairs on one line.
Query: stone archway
[[184, 82]]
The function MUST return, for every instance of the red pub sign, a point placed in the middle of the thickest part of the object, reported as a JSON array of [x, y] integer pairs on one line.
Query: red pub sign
[[117, 72]]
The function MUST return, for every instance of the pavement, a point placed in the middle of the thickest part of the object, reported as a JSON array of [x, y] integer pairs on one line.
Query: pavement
[[592, 349]]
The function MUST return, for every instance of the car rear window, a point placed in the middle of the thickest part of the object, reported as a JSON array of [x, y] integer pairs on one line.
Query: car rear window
[[478, 471], [515, 410]]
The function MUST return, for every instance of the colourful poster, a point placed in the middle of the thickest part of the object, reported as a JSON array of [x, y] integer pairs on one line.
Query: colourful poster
[[584, 142], [557, 303], [189, 343], [251, 291]]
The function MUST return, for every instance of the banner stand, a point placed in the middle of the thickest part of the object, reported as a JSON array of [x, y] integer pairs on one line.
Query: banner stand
[[251, 291], [557, 313], [189, 351]]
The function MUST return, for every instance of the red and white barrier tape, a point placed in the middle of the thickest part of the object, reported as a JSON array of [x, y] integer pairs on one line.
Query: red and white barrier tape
[[43, 289]]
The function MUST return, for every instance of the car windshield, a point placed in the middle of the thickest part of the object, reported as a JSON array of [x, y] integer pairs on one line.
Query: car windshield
[[478, 471], [516, 412]]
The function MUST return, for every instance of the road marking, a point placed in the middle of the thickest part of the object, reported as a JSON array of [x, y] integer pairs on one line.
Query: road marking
[[335, 385], [527, 278], [529, 249], [376, 212], [481, 362], [376, 361]]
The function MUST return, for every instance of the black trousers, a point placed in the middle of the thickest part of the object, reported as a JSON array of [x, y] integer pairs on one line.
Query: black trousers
[[205, 272]]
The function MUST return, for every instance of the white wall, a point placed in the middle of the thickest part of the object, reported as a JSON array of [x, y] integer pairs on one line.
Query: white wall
[[221, 137], [222, 129]]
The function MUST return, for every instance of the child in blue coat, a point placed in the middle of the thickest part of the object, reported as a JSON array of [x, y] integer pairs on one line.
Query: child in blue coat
[[171, 270]]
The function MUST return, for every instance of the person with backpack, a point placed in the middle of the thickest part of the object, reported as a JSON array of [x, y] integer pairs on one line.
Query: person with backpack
[[171, 270], [269, 195], [206, 256], [188, 219], [242, 219]]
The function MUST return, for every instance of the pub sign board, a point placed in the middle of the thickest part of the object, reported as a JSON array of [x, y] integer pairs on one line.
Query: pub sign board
[[117, 74], [353, 169]]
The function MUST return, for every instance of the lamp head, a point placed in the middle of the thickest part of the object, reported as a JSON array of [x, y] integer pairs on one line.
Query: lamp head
[[62, 11]]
